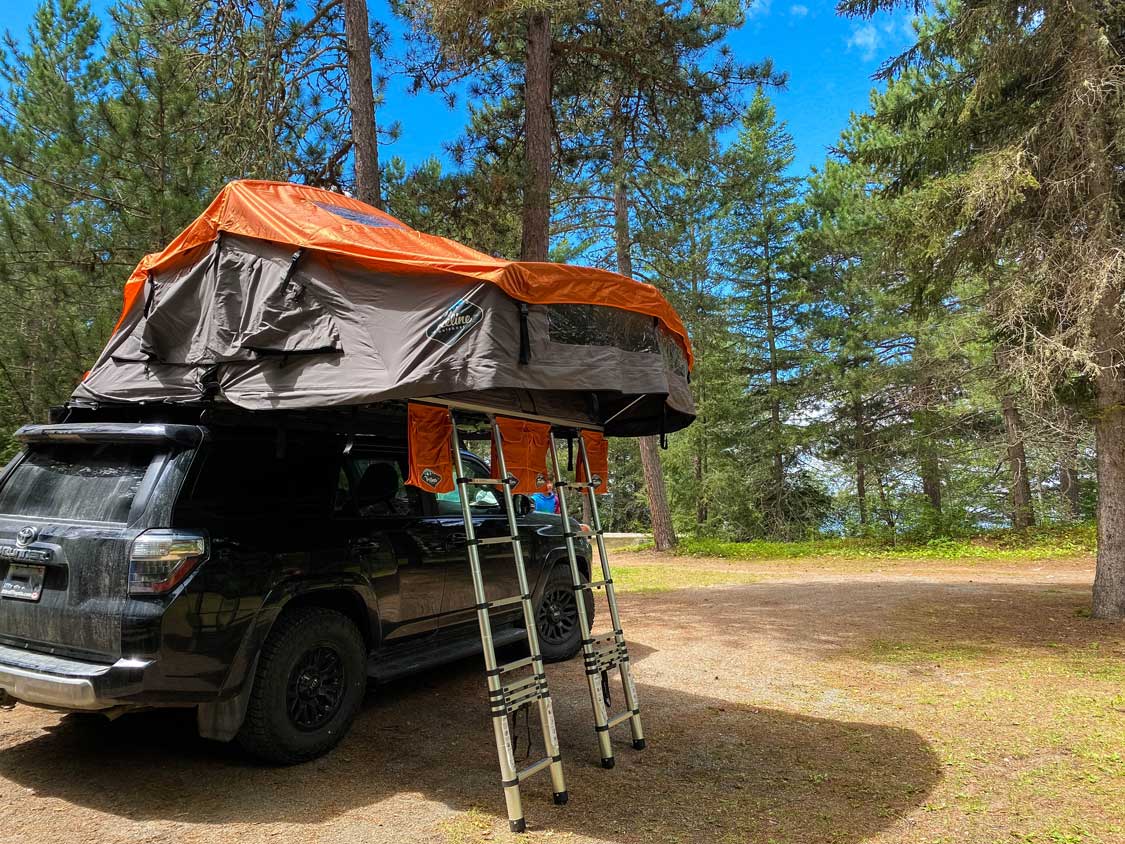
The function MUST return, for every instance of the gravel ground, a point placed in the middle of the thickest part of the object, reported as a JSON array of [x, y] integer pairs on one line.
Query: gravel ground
[[811, 705]]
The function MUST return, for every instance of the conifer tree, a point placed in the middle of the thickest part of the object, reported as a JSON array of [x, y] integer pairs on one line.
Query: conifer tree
[[59, 265], [1020, 178]]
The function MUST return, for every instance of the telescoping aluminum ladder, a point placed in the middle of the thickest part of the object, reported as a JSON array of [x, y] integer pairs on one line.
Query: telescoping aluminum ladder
[[506, 695], [605, 652]]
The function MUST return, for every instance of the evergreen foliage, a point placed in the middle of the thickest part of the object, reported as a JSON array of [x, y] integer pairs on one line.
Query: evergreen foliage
[[914, 341]]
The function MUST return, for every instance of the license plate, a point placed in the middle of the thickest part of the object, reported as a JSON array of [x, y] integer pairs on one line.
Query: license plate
[[23, 583]]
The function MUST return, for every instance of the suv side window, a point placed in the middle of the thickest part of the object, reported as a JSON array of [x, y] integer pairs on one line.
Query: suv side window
[[246, 477], [485, 500], [371, 485]]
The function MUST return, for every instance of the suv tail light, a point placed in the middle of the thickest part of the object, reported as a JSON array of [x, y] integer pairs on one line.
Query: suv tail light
[[161, 559]]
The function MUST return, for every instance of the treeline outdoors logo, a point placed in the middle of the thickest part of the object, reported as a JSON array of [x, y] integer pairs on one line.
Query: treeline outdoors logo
[[455, 322]]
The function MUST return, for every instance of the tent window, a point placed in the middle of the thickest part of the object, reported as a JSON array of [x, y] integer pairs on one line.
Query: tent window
[[674, 359], [596, 325]]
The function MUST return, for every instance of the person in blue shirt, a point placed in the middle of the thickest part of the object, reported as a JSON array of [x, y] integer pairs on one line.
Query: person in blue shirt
[[546, 502]]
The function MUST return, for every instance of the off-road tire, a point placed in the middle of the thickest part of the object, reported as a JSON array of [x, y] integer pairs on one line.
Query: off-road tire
[[269, 731], [557, 589]]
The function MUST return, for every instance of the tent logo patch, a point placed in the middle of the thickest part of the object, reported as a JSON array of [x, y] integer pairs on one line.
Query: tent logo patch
[[540, 479], [456, 322], [429, 476]]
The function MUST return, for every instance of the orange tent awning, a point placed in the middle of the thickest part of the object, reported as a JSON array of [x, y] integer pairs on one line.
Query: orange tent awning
[[328, 222]]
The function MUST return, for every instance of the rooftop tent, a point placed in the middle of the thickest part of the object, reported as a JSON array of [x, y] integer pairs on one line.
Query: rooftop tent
[[281, 296]]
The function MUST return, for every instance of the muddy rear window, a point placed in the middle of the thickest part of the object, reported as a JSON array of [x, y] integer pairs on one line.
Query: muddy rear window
[[78, 482]]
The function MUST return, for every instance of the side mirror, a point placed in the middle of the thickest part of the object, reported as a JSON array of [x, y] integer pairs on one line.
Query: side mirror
[[524, 505]]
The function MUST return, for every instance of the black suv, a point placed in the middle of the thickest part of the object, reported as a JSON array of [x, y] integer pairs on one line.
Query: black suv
[[259, 574]]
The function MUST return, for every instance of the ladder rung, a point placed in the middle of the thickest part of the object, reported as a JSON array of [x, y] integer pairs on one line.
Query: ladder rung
[[497, 540], [605, 659], [580, 485], [580, 533], [520, 686], [509, 699], [595, 584], [607, 638], [481, 481], [535, 767], [620, 719], [512, 666], [506, 602]]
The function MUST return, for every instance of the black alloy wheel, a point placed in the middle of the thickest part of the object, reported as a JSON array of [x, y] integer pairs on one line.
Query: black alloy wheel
[[558, 615], [315, 688], [308, 686]]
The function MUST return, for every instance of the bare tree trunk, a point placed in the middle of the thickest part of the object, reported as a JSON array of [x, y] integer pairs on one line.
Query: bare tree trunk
[[1109, 578], [888, 513], [860, 462], [663, 534], [537, 139], [1023, 514], [361, 102], [931, 477], [1069, 488], [775, 404]]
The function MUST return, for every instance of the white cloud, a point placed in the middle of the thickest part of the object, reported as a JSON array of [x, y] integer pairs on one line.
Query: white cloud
[[866, 39], [759, 8], [798, 11]]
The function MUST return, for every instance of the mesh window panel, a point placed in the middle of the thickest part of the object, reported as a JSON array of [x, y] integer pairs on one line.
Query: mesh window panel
[[674, 359], [597, 325]]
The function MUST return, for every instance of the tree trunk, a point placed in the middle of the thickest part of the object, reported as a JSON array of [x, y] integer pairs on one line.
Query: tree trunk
[[663, 534], [860, 462], [775, 404], [1109, 578], [888, 513], [1069, 489], [931, 478], [1023, 514], [537, 139], [361, 102]]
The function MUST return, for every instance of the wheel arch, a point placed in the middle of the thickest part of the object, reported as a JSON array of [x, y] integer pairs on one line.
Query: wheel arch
[[222, 718]]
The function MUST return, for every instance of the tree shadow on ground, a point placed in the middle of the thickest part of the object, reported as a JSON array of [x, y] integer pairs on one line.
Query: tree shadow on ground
[[714, 770], [826, 619]]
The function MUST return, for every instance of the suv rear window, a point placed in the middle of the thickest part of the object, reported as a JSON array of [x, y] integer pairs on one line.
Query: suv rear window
[[80, 482]]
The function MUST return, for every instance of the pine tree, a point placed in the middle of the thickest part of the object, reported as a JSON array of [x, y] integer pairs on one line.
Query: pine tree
[[59, 268], [1020, 178], [760, 222]]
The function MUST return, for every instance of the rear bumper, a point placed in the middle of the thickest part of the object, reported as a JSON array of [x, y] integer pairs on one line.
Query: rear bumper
[[59, 683]]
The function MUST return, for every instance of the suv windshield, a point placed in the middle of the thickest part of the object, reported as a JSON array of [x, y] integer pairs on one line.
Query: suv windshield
[[77, 481]]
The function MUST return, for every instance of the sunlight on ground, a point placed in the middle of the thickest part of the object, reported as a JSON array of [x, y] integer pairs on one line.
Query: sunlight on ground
[[812, 700]]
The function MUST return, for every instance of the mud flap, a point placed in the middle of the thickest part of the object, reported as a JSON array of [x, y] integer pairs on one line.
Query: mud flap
[[221, 720]]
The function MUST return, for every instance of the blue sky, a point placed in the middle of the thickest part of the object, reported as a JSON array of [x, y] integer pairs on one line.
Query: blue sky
[[829, 60]]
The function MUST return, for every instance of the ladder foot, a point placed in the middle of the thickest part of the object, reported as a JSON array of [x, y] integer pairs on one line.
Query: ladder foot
[[608, 762], [518, 825], [561, 797], [638, 744]]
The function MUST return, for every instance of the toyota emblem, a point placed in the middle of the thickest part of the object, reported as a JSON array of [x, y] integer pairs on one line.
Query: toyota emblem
[[26, 536]]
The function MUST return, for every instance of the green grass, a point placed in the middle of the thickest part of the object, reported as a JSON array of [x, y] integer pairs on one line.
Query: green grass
[[920, 653], [663, 578], [1036, 544]]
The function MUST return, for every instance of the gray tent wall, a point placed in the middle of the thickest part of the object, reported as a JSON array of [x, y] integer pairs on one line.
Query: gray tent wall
[[264, 326]]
